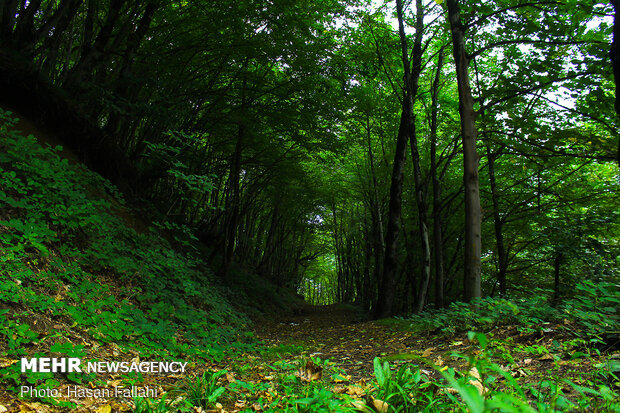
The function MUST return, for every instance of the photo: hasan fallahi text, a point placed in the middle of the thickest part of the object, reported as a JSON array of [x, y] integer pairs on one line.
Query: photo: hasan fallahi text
[[97, 393]]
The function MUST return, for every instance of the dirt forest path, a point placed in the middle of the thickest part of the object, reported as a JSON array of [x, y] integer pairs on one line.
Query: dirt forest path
[[341, 334], [352, 342]]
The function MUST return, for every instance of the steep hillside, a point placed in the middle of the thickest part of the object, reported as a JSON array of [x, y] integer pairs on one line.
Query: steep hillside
[[78, 279]]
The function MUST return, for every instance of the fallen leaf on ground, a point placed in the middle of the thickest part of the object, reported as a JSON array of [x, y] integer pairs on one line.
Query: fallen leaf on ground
[[359, 405], [380, 406], [339, 378], [354, 390], [311, 372], [104, 409], [477, 383]]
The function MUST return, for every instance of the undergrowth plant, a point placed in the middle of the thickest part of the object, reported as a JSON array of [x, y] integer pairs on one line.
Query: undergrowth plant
[[485, 386], [203, 391], [147, 405], [404, 389], [594, 308]]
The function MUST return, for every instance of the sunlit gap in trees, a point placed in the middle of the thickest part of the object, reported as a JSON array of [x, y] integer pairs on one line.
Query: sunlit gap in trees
[[319, 285]]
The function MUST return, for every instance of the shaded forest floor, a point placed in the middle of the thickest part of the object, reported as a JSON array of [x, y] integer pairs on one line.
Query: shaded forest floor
[[326, 354], [338, 347], [339, 333]]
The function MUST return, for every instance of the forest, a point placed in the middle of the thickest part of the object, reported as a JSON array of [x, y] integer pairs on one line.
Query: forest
[[321, 206]]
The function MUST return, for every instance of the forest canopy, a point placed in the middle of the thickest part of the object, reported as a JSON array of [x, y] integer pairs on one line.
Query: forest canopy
[[398, 155]]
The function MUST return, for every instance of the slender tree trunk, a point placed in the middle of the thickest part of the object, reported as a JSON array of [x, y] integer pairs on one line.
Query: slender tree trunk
[[59, 21], [264, 268], [614, 53], [388, 283], [556, 272], [52, 45], [92, 55], [502, 260], [24, 33], [405, 131], [338, 251], [473, 216], [233, 205], [375, 191], [377, 222], [366, 298], [412, 90], [437, 223], [124, 87]]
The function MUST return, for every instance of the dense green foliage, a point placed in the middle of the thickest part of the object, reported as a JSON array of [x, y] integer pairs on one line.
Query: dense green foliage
[[268, 130], [400, 156]]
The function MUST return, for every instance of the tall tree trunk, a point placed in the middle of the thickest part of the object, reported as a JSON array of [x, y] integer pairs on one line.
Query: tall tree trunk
[[413, 77], [614, 53], [232, 208], [387, 285], [437, 234], [264, 267], [405, 131], [502, 260], [367, 298], [338, 251], [375, 191], [125, 88], [52, 45], [59, 21], [377, 221], [24, 34], [87, 38], [473, 216]]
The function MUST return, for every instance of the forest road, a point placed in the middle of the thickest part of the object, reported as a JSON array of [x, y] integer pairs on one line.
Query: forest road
[[341, 334]]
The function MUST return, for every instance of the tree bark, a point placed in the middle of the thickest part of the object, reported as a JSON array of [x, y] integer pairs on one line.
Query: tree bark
[[233, 205], [378, 243], [473, 216], [24, 30], [614, 54], [51, 46], [387, 285], [124, 88], [66, 11], [502, 259], [437, 221], [405, 131]]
